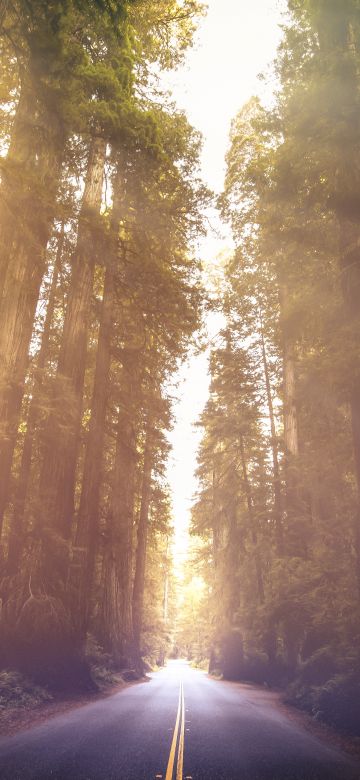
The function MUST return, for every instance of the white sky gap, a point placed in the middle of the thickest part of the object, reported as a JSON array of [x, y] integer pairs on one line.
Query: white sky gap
[[235, 42]]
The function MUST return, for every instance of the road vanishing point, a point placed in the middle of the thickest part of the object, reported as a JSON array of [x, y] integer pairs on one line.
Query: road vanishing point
[[180, 725]]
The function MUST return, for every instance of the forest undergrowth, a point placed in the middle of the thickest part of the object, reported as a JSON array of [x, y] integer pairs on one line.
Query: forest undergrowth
[[103, 298]]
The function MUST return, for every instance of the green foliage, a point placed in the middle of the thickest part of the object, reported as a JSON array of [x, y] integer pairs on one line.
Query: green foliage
[[329, 695], [101, 665], [20, 692], [277, 509], [76, 74]]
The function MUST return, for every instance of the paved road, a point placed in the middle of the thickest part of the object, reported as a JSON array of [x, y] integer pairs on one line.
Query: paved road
[[178, 726]]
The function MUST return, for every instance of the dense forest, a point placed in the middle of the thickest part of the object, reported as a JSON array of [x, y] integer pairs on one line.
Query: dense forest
[[100, 204], [102, 297], [277, 516]]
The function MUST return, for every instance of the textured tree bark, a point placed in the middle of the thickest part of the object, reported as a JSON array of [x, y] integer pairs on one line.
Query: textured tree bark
[[88, 517], [25, 261], [349, 262], [254, 526], [296, 542], [350, 279], [3, 10], [19, 164], [117, 614], [142, 534], [291, 438], [61, 436], [216, 534], [274, 448], [347, 213], [86, 540], [17, 524], [355, 420]]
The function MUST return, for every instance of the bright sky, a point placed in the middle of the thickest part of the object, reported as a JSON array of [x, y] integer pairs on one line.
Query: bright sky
[[236, 41]]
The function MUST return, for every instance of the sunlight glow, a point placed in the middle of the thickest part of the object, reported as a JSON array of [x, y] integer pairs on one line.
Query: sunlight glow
[[236, 41]]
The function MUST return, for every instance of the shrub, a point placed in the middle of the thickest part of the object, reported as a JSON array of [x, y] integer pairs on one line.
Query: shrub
[[338, 702], [19, 691], [319, 668]]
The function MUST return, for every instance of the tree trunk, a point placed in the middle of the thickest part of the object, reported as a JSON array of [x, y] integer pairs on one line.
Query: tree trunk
[[296, 542], [88, 516], [349, 262], [291, 438], [61, 437], [350, 278], [254, 525], [142, 533], [16, 528], [18, 165], [3, 11], [24, 258], [346, 211], [117, 613], [84, 554], [274, 447]]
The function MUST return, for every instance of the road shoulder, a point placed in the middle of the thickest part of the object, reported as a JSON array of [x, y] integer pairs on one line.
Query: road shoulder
[[15, 719], [324, 732]]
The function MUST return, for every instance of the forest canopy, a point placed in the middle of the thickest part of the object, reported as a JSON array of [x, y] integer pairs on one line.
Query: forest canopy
[[277, 517], [100, 203], [102, 298]]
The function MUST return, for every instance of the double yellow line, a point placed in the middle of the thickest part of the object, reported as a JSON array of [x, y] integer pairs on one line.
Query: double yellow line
[[177, 742]]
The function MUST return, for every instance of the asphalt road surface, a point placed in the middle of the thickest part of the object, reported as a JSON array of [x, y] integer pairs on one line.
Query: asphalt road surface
[[179, 726]]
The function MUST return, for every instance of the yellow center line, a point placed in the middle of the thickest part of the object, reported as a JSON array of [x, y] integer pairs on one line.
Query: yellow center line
[[170, 766], [180, 763]]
